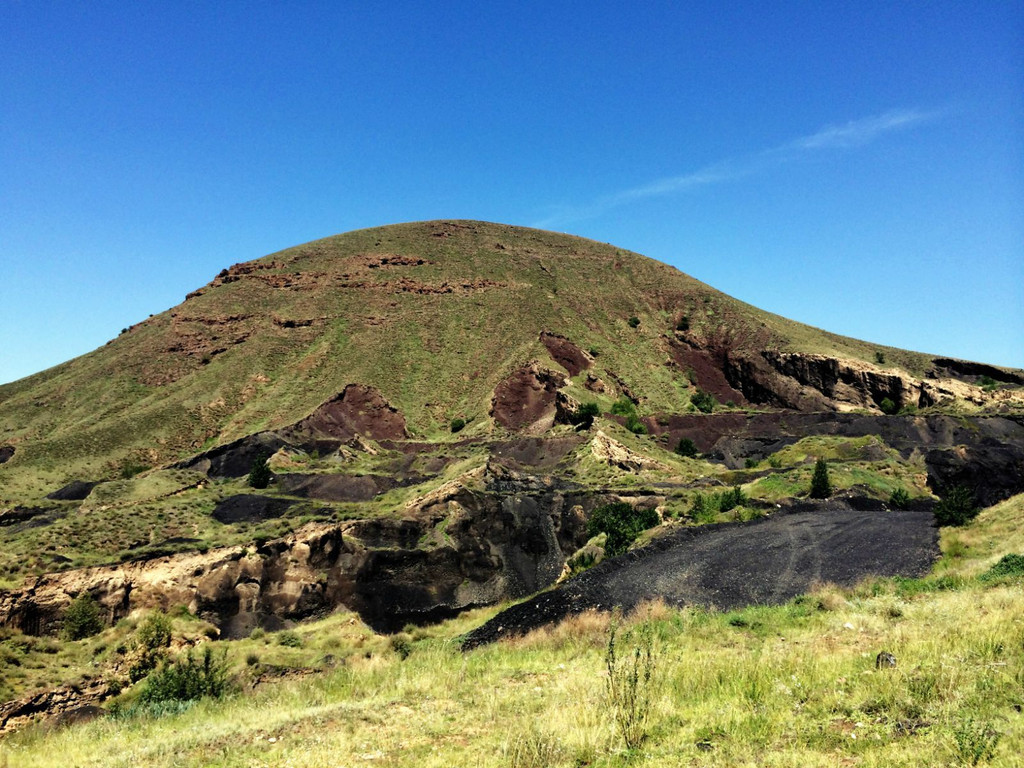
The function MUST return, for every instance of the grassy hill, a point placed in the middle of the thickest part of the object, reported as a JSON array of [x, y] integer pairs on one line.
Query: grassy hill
[[432, 314]]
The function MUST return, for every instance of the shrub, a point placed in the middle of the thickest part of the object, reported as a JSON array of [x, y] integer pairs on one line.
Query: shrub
[[888, 406], [621, 523], [289, 639], [974, 743], [750, 462], [687, 448], [880, 357], [1011, 565], [151, 641], [259, 473], [988, 383], [703, 401], [634, 321], [683, 324], [457, 425], [401, 644], [82, 618], [634, 425], [584, 416], [623, 407], [154, 632], [899, 499], [821, 486], [632, 684], [703, 509], [188, 678], [958, 507], [730, 499], [774, 461]]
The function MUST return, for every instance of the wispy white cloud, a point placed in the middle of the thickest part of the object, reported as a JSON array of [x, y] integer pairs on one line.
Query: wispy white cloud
[[851, 134], [859, 132]]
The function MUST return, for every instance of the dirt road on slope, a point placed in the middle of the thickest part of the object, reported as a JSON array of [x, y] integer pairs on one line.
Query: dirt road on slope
[[763, 562]]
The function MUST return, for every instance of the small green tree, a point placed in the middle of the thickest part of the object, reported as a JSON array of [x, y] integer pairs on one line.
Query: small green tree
[[683, 323], [888, 406], [188, 678], [821, 486], [703, 401], [687, 448], [622, 525], [458, 424], [634, 321], [957, 507], [82, 618], [703, 509], [259, 474], [899, 499]]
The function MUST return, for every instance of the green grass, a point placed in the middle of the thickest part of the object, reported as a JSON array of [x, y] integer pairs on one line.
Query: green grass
[[790, 685]]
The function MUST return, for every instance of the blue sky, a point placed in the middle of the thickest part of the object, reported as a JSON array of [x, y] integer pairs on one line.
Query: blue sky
[[856, 166]]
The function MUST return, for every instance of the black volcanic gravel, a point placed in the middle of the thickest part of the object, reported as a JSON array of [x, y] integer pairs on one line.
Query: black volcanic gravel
[[763, 562]]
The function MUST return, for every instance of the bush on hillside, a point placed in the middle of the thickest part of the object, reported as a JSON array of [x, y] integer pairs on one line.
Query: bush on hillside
[[634, 425], [584, 416], [687, 448], [621, 523], [958, 507], [821, 486], [899, 499], [152, 639], [1009, 566], [703, 401], [82, 618], [457, 425], [623, 407], [259, 473], [634, 321], [888, 406], [188, 678], [730, 499]]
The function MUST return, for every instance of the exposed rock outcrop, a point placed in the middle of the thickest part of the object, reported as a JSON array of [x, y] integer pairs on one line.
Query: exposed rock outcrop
[[357, 410], [565, 353], [494, 535], [615, 454], [525, 400]]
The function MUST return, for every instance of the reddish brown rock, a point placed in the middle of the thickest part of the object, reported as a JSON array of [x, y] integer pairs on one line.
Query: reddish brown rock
[[358, 410], [526, 399], [565, 353]]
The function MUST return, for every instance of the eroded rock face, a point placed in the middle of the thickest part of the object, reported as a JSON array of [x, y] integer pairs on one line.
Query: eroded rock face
[[69, 703], [456, 548], [986, 453], [525, 401], [806, 382], [615, 454], [356, 413], [76, 490], [565, 353], [357, 410]]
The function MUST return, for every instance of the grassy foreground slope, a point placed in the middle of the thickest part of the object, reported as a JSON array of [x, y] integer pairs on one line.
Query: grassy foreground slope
[[795, 685], [433, 314]]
